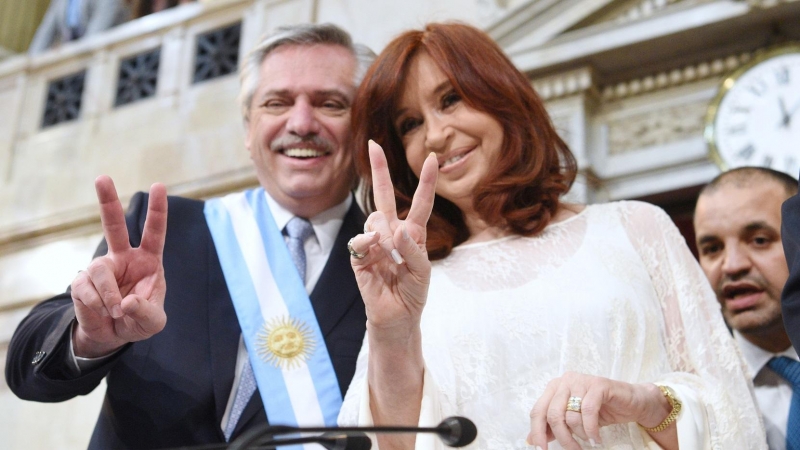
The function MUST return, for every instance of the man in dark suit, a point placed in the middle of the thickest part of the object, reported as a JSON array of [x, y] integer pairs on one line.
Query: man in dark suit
[[790, 299], [69, 20], [738, 226], [164, 310]]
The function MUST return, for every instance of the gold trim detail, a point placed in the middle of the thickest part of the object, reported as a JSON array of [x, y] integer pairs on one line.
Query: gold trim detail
[[285, 342], [709, 131]]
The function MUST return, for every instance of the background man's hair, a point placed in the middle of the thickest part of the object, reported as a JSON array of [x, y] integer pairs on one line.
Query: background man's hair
[[304, 34], [747, 176]]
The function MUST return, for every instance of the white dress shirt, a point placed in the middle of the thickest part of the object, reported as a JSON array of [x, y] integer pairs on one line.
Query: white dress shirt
[[773, 392]]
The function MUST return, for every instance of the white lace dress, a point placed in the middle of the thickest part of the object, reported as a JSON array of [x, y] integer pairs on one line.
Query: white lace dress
[[613, 292]]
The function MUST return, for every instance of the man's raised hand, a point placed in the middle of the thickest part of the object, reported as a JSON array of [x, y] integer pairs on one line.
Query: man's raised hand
[[119, 298]]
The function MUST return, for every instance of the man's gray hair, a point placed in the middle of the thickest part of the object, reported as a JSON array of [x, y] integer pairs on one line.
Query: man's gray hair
[[305, 34]]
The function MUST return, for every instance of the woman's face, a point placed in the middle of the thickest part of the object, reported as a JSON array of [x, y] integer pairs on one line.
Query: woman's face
[[433, 118]]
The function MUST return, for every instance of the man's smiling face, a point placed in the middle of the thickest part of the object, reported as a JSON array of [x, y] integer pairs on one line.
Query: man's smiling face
[[298, 124]]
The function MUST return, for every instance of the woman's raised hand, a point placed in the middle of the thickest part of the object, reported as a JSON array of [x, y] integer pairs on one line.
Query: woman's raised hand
[[394, 273]]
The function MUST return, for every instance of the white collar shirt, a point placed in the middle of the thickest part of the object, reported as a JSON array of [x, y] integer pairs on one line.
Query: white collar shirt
[[773, 392]]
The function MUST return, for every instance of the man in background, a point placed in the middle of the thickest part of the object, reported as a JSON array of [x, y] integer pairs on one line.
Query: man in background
[[222, 315], [70, 20], [737, 222]]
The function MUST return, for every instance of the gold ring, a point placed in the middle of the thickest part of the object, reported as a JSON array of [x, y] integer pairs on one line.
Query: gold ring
[[574, 404], [354, 253]]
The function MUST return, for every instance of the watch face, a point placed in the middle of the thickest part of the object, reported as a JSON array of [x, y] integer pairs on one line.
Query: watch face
[[756, 121]]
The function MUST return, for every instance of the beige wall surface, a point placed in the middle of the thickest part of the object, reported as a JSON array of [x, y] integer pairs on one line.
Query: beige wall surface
[[627, 83]]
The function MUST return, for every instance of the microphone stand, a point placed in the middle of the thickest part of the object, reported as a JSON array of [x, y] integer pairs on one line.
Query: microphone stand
[[454, 432]]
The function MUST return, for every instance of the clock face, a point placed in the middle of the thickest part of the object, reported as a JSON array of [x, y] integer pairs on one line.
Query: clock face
[[756, 118]]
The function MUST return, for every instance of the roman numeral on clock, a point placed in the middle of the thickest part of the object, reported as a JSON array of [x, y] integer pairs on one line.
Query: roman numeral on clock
[[747, 152], [782, 75], [758, 88]]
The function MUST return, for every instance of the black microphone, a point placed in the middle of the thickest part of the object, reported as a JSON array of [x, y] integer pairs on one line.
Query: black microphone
[[331, 441], [453, 431]]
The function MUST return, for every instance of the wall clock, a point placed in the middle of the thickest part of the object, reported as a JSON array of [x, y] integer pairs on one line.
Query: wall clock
[[755, 118]]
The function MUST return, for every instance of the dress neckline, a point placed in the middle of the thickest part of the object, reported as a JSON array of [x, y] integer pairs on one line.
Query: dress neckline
[[550, 226]]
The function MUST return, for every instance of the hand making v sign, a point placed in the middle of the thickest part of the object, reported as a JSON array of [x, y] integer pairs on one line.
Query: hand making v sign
[[394, 272], [119, 298]]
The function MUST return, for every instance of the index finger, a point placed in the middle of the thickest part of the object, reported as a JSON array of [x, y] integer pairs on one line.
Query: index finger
[[422, 204], [155, 224], [382, 188], [111, 215]]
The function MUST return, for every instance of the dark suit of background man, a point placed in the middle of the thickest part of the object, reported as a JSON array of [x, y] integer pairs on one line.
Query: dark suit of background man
[[155, 316], [738, 227]]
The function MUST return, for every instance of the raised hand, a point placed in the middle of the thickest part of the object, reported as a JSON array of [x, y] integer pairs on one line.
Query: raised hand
[[395, 273], [119, 298]]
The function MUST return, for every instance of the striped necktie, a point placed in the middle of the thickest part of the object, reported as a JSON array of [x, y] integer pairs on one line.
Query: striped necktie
[[298, 230], [789, 369]]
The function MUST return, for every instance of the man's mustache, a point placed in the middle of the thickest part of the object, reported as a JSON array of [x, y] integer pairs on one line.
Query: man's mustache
[[292, 141]]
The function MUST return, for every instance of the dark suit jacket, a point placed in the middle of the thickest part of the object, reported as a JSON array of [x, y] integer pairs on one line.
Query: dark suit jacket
[[790, 300], [172, 389]]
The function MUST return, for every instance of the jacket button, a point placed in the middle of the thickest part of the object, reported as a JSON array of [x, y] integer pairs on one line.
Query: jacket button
[[38, 357]]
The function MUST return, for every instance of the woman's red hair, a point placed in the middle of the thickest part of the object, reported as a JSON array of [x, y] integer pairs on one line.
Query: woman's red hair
[[521, 191]]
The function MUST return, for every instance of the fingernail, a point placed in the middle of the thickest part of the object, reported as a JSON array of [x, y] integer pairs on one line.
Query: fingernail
[[405, 232], [592, 443], [116, 312], [396, 257], [370, 233]]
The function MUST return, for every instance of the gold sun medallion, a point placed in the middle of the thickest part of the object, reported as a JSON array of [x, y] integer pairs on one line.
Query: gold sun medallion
[[285, 342]]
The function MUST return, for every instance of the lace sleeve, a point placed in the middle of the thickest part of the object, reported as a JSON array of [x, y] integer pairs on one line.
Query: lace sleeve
[[356, 407], [706, 363]]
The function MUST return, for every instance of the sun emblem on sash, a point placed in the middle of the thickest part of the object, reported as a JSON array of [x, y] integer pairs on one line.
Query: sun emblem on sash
[[285, 342]]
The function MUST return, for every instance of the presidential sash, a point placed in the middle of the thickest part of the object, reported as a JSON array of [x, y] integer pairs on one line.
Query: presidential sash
[[292, 367]]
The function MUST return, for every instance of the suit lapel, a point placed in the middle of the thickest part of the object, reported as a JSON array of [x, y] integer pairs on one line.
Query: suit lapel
[[336, 289]]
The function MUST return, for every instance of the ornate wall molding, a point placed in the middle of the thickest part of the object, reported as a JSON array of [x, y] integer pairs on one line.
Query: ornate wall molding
[[767, 3], [565, 84], [656, 127], [675, 77], [642, 9]]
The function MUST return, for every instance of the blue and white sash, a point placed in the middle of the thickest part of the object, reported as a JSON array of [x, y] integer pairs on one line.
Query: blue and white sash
[[292, 367]]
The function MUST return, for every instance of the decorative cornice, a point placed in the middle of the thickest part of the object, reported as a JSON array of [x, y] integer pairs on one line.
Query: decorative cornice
[[675, 77], [565, 84], [642, 9], [767, 3]]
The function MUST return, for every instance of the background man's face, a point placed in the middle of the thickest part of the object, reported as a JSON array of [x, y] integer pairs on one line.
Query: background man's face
[[739, 242], [299, 122]]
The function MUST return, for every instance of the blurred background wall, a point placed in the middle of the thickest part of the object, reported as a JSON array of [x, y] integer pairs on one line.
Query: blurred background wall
[[628, 84]]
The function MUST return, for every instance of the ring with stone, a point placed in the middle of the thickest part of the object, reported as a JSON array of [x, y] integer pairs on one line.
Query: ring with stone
[[574, 404], [354, 253]]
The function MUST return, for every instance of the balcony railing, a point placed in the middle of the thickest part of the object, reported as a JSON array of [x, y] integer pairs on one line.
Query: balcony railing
[[150, 100]]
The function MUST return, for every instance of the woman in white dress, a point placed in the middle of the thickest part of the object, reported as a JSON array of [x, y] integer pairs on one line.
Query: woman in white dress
[[549, 324]]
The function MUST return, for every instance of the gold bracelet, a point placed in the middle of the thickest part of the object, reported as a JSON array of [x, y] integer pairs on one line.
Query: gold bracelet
[[676, 409]]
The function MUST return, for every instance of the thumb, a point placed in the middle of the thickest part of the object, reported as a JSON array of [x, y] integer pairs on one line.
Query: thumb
[[149, 316], [416, 259]]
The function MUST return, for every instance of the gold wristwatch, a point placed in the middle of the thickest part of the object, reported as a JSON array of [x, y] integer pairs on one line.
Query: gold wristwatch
[[672, 416]]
